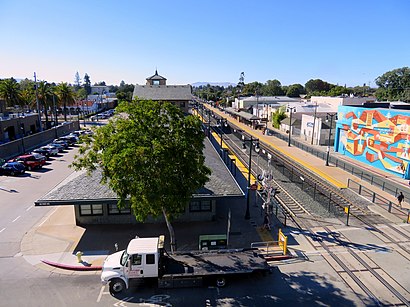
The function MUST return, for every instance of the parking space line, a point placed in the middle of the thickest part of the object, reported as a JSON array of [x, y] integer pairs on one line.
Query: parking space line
[[2, 229], [101, 294], [29, 207], [16, 218]]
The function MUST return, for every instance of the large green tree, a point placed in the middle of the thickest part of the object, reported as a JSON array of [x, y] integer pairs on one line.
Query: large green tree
[[295, 90], [65, 95], [278, 116], [273, 88], [317, 85], [151, 157], [87, 84], [45, 98], [10, 92], [394, 85]]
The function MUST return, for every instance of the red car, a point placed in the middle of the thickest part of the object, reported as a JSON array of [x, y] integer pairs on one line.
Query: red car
[[29, 161]]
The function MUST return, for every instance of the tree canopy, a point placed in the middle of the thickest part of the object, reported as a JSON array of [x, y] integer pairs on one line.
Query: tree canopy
[[394, 85], [151, 156]]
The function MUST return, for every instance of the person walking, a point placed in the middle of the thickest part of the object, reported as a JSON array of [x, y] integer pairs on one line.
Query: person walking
[[400, 198], [266, 222]]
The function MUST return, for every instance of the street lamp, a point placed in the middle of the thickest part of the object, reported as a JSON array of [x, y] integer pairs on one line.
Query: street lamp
[[22, 138], [331, 115], [290, 110], [209, 122], [223, 123], [37, 104], [251, 140], [314, 124]]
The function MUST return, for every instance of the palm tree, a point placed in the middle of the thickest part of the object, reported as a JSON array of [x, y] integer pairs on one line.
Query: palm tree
[[45, 95], [10, 92], [65, 94], [28, 98]]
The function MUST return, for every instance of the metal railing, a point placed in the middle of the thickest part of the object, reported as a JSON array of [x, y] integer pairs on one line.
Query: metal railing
[[376, 198]]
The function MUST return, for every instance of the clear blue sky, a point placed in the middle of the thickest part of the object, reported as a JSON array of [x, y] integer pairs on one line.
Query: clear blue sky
[[346, 42]]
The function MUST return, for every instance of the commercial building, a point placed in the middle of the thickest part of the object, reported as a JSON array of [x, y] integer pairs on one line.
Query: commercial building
[[375, 136]]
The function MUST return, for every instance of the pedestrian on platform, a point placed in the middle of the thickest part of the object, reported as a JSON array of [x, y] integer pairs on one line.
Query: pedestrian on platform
[[266, 222], [400, 198]]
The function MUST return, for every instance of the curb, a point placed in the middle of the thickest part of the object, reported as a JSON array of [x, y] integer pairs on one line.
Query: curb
[[72, 267], [278, 258]]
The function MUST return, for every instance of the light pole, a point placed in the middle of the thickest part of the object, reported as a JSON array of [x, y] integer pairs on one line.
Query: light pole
[[37, 104], [331, 115], [223, 123], [290, 110], [83, 114], [251, 140], [314, 123], [22, 138], [209, 123]]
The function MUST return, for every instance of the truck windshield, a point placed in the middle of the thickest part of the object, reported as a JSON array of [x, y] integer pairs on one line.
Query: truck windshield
[[124, 258]]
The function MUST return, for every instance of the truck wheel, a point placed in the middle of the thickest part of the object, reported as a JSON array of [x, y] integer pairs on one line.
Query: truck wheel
[[117, 285], [220, 282]]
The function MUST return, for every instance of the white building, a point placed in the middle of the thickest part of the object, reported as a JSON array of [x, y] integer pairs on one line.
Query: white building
[[334, 102]]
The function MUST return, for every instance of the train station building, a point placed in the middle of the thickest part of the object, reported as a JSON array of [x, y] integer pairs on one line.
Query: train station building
[[95, 203]]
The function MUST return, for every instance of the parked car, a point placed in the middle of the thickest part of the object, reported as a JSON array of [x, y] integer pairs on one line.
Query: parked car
[[71, 139], [62, 143], [59, 147], [46, 153], [29, 161], [39, 157], [11, 168], [51, 149]]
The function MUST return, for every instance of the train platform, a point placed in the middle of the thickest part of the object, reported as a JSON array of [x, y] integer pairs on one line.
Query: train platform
[[333, 174]]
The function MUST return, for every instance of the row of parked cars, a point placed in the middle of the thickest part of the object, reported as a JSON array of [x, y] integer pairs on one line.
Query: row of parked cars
[[37, 158], [103, 115]]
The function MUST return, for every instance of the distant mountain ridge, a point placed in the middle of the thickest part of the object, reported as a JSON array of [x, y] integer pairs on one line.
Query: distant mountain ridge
[[224, 84]]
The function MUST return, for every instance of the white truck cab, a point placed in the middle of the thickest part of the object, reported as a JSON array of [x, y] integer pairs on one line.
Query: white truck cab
[[139, 260]]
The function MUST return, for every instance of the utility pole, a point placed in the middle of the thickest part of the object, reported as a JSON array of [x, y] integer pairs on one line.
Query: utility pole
[[331, 115], [251, 140], [37, 104], [290, 110], [314, 123]]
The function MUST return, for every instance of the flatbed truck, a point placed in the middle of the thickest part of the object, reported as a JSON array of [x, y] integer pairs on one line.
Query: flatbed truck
[[146, 258]]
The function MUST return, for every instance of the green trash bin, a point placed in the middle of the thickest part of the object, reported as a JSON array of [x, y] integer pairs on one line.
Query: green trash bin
[[212, 242]]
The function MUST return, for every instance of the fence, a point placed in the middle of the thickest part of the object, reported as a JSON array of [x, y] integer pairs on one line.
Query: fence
[[357, 171], [376, 199], [28, 143]]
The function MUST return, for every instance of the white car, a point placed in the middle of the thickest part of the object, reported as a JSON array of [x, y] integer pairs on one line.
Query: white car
[[53, 150]]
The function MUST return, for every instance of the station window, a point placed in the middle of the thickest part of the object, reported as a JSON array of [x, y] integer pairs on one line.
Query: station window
[[200, 206], [114, 210], [91, 210]]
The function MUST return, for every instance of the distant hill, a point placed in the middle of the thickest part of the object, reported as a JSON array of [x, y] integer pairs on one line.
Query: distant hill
[[224, 84]]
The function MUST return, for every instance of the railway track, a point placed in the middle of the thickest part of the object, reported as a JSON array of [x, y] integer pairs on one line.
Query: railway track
[[364, 277]]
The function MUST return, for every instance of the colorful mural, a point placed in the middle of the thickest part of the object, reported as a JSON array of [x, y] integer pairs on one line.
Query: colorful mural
[[379, 137]]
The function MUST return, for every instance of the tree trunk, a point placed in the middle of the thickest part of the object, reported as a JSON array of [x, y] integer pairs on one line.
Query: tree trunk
[[171, 232], [46, 114], [65, 111]]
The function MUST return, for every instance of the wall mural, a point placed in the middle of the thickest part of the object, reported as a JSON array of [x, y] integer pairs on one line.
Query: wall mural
[[379, 137]]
